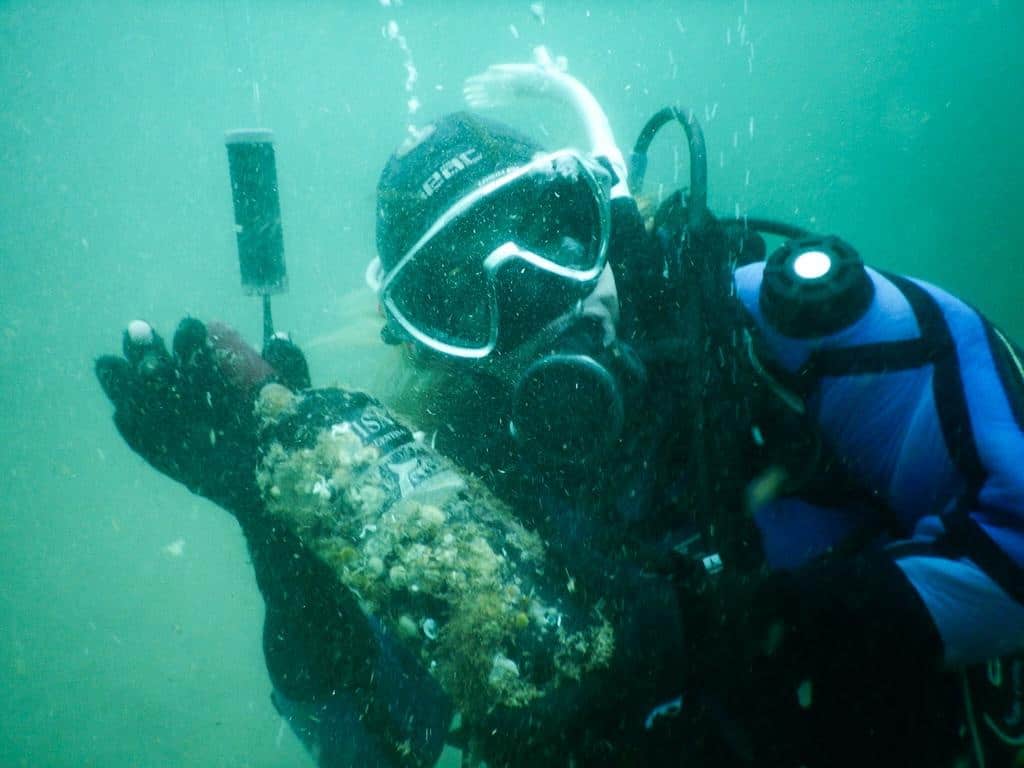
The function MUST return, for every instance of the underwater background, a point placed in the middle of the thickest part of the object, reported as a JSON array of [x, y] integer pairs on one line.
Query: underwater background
[[129, 617]]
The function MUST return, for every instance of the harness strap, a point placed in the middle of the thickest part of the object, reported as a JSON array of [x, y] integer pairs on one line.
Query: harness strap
[[963, 536], [879, 357], [947, 385]]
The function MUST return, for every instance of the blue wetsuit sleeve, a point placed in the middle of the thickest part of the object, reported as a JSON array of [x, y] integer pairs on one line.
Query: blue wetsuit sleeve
[[975, 618], [795, 531]]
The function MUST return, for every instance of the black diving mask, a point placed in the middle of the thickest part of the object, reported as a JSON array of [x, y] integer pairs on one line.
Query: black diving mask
[[521, 250]]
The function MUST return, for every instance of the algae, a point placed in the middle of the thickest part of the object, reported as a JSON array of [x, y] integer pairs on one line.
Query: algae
[[430, 552]]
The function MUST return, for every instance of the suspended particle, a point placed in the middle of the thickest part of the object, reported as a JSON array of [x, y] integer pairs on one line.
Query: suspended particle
[[175, 549]]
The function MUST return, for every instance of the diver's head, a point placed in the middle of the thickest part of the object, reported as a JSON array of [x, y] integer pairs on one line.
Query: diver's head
[[484, 239], [492, 253]]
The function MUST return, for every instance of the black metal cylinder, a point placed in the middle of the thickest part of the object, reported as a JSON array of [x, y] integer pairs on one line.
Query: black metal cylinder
[[257, 211]]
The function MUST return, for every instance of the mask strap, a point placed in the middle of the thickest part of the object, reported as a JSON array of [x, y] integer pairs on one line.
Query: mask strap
[[373, 275]]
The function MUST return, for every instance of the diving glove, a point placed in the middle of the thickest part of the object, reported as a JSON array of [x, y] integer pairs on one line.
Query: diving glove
[[189, 412], [835, 663]]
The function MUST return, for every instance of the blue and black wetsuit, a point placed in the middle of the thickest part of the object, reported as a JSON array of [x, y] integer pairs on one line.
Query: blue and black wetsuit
[[921, 397], [917, 399]]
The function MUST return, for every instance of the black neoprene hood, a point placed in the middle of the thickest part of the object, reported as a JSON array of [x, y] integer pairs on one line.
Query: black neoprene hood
[[452, 157]]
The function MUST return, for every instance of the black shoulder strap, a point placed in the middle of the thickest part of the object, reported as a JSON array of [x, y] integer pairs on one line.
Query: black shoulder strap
[[932, 346], [963, 536], [947, 384]]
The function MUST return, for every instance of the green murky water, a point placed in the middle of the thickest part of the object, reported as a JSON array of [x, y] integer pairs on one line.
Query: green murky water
[[129, 620]]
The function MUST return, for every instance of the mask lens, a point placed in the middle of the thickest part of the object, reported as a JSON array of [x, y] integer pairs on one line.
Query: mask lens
[[564, 223], [445, 295], [528, 298]]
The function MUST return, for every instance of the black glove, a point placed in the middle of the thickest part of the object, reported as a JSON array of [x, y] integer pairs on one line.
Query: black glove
[[601, 719], [835, 664], [190, 414]]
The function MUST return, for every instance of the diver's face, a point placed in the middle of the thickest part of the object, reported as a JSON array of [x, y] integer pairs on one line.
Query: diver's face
[[502, 264], [560, 395], [459, 294], [536, 316]]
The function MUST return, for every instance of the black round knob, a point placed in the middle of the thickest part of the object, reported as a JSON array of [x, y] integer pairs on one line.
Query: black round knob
[[814, 286]]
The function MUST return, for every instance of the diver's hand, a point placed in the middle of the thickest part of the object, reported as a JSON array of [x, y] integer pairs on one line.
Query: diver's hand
[[190, 413]]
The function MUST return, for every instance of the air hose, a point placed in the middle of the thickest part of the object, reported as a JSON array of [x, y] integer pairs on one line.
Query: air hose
[[698, 199]]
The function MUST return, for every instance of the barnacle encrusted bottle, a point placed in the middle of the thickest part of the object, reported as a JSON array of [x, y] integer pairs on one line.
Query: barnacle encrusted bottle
[[425, 548]]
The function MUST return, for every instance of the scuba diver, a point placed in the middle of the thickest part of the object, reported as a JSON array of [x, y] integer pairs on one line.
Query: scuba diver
[[794, 479]]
